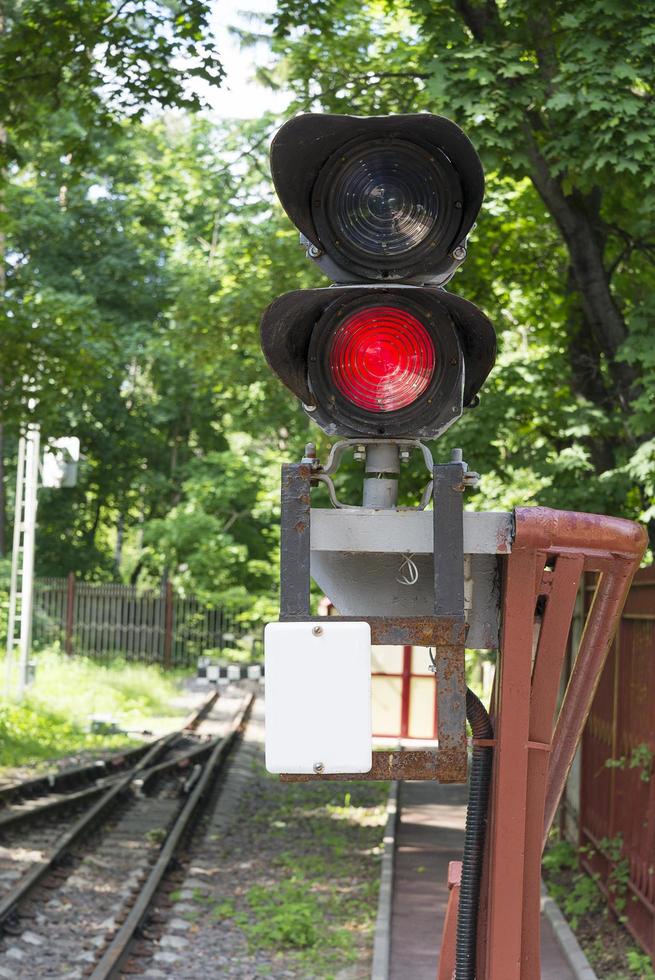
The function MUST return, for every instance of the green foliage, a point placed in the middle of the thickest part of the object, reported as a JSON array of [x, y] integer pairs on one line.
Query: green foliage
[[582, 899], [53, 719], [140, 251], [318, 898], [79, 687], [5, 573], [31, 734], [285, 916], [608, 946], [640, 758], [71, 66], [640, 963], [560, 105], [619, 869], [223, 910], [578, 897], [148, 274], [560, 854]]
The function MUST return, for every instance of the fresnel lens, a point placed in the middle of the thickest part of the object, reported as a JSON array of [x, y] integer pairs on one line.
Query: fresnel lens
[[382, 202], [381, 358]]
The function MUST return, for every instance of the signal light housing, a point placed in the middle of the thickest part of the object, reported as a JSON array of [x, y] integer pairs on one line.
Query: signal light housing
[[375, 198], [379, 361]]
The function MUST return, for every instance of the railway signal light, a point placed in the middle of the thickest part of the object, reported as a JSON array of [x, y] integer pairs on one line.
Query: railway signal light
[[379, 361], [388, 198], [384, 205], [386, 355]]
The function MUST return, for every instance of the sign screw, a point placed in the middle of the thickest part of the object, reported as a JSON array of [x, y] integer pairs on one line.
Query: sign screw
[[317, 630], [319, 767]]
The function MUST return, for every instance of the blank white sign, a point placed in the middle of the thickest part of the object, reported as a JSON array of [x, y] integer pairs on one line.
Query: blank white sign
[[318, 697]]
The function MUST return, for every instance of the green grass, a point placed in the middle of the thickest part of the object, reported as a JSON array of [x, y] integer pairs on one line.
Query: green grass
[[313, 911], [288, 915], [53, 719]]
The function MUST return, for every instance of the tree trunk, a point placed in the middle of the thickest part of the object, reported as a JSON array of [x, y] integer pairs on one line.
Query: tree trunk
[[118, 551], [577, 219]]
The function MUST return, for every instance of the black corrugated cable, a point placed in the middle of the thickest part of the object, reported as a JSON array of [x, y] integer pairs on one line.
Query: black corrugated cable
[[476, 825]]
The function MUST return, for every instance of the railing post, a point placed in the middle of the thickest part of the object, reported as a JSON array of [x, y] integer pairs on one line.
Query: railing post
[[70, 613]]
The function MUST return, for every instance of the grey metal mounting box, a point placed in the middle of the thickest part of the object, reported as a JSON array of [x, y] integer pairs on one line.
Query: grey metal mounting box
[[356, 556]]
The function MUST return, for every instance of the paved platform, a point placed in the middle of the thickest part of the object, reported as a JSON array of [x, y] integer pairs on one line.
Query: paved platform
[[430, 834]]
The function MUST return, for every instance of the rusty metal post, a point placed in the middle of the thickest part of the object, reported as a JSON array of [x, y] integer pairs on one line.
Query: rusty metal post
[[295, 540], [70, 613], [609, 599], [448, 537], [507, 822], [550, 551], [405, 690], [546, 674]]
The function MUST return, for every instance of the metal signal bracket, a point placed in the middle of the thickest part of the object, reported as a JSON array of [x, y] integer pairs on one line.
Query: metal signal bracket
[[444, 629], [324, 474], [403, 447]]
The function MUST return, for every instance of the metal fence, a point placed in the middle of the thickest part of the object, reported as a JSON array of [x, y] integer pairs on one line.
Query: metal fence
[[617, 798], [104, 621]]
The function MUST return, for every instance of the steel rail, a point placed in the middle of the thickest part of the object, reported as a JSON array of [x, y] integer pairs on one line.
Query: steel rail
[[118, 949], [192, 755], [10, 902], [145, 777], [70, 778], [53, 804], [196, 716]]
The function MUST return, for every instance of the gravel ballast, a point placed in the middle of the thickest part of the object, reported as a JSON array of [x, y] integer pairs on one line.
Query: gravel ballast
[[282, 880]]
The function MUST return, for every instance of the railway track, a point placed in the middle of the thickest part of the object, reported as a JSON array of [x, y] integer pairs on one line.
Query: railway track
[[81, 895], [30, 798]]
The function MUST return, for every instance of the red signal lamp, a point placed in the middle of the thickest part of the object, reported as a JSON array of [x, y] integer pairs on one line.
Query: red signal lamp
[[382, 358], [379, 362]]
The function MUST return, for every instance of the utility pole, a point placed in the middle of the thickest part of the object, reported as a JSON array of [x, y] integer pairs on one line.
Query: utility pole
[[59, 470], [21, 588]]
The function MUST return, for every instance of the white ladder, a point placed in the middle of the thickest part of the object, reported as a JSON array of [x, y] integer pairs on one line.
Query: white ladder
[[21, 588]]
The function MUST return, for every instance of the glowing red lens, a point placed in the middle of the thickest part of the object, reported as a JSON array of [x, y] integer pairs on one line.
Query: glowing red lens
[[382, 358]]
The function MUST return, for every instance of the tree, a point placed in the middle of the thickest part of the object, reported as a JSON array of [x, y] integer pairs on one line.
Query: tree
[[87, 63], [136, 298], [564, 98], [70, 70]]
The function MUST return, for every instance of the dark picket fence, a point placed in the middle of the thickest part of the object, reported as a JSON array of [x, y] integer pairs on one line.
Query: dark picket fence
[[109, 620]]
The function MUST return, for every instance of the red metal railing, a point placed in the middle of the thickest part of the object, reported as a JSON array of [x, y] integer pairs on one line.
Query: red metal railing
[[534, 744], [533, 753]]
